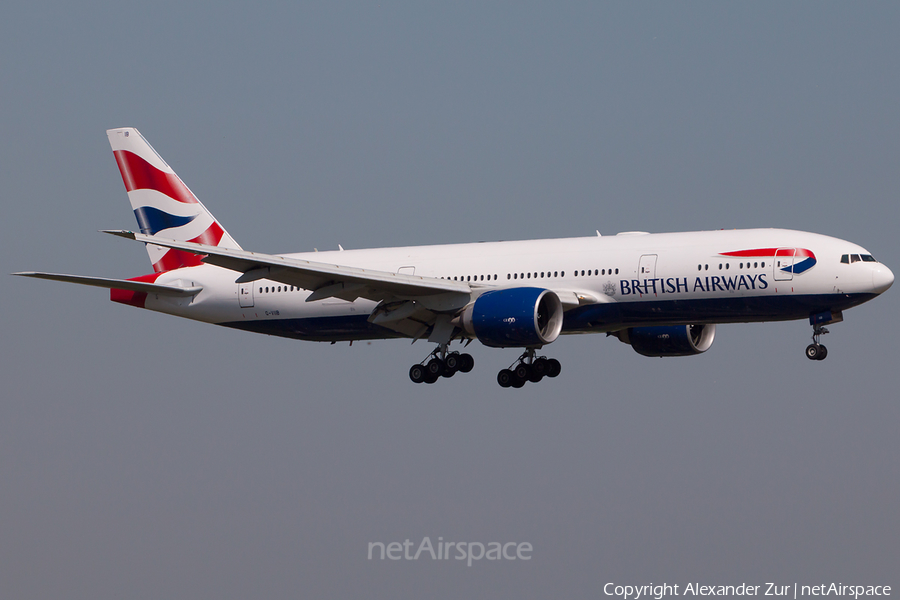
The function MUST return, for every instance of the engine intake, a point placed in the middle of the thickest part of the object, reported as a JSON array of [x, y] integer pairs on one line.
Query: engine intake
[[514, 318], [670, 340]]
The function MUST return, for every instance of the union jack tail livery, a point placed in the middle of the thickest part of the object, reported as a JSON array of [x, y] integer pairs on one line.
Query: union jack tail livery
[[162, 203]]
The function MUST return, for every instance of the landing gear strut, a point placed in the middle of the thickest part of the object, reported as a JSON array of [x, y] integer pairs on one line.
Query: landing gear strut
[[817, 351], [440, 363], [528, 368]]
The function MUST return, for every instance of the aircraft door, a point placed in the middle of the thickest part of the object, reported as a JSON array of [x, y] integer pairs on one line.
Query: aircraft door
[[245, 294], [784, 259], [647, 267]]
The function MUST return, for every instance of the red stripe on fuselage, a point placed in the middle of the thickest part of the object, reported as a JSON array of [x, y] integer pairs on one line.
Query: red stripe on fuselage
[[138, 174], [752, 253], [782, 251]]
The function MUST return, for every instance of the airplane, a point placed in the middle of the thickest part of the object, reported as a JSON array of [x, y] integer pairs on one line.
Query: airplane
[[661, 293]]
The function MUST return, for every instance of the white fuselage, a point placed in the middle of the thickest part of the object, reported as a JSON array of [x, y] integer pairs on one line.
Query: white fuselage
[[623, 280]]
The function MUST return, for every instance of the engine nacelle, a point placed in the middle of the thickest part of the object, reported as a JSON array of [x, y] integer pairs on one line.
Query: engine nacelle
[[514, 318], [670, 340]]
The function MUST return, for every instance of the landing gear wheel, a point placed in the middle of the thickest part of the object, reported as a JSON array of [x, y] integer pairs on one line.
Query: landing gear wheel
[[523, 372], [431, 377], [817, 351], [517, 381], [504, 378], [451, 365], [813, 351], [541, 366], [466, 362], [417, 373], [435, 367], [553, 368]]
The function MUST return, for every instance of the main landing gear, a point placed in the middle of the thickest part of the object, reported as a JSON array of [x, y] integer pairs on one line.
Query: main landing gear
[[528, 368], [440, 363], [817, 351]]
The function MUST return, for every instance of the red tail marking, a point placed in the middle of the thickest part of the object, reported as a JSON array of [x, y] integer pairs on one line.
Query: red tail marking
[[138, 174], [133, 298], [176, 259], [211, 237]]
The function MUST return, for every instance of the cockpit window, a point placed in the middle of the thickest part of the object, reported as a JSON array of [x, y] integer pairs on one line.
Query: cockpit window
[[852, 258]]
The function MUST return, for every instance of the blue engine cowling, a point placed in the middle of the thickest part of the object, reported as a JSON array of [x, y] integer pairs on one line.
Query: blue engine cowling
[[514, 318], [670, 340]]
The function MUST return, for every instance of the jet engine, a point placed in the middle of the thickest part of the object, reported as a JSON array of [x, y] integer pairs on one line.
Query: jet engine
[[514, 318], [670, 340]]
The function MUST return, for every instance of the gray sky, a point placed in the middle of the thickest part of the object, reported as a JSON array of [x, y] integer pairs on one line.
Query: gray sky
[[143, 456]]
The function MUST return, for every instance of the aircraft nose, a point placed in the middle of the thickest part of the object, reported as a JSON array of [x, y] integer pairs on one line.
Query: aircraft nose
[[882, 278]]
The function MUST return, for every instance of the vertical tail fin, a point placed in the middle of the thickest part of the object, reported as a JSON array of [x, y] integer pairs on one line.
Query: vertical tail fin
[[162, 202]]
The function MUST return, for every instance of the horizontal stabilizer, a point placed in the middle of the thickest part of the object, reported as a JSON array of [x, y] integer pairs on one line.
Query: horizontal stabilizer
[[118, 284]]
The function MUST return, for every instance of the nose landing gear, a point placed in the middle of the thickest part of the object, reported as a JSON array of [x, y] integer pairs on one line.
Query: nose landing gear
[[817, 351], [528, 368]]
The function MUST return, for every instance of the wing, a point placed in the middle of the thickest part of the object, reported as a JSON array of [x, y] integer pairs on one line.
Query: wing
[[325, 280], [408, 304]]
